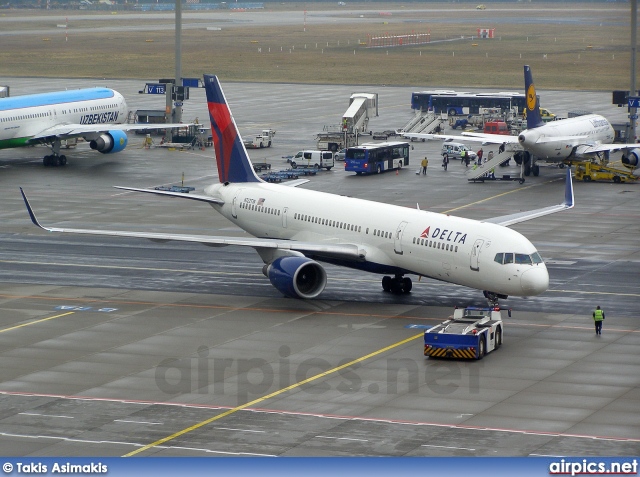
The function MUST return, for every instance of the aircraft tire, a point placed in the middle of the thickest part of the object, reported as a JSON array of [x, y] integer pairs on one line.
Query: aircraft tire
[[535, 170], [386, 283], [521, 181], [407, 285], [616, 179], [63, 160], [294, 165], [587, 178]]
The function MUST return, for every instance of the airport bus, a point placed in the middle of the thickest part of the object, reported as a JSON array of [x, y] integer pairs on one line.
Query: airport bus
[[374, 158], [464, 103]]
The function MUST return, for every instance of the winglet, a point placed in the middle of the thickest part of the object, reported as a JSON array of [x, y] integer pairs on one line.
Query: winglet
[[30, 210], [233, 161], [534, 119], [568, 191]]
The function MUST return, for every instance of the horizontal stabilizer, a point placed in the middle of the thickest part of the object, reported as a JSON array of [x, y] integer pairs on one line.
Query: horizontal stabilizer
[[182, 195]]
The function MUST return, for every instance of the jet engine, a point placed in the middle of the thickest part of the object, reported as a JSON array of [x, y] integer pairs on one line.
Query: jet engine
[[297, 277], [632, 159], [109, 142]]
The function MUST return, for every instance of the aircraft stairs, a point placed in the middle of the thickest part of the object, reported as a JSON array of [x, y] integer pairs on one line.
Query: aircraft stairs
[[477, 172], [423, 122]]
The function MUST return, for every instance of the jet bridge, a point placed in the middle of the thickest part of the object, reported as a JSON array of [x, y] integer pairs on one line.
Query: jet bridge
[[355, 122]]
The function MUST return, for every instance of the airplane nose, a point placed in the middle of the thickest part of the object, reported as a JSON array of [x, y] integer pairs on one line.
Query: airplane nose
[[535, 280]]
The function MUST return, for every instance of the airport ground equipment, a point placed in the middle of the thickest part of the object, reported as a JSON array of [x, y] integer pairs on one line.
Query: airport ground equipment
[[264, 139], [483, 173], [425, 122], [471, 333], [354, 123], [591, 171]]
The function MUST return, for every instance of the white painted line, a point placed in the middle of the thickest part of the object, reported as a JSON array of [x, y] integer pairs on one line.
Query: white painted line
[[241, 430], [139, 422], [448, 447], [44, 415], [342, 438]]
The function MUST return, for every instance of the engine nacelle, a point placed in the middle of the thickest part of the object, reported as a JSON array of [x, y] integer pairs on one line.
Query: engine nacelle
[[109, 142], [297, 277], [632, 159]]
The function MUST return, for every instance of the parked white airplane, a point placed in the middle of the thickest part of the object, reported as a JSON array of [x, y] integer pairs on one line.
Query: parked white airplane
[[95, 114], [295, 228], [579, 138]]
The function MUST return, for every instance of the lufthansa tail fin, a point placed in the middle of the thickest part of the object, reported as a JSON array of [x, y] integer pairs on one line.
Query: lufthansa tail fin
[[233, 161], [534, 119]]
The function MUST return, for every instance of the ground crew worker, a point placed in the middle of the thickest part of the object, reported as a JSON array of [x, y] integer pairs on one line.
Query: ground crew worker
[[424, 164], [480, 153], [445, 161], [598, 317]]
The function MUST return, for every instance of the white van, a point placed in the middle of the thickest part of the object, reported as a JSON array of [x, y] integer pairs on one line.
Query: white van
[[453, 150], [317, 159]]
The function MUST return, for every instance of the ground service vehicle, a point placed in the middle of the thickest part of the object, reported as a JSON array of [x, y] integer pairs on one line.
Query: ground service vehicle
[[454, 149], [261, 140], [374, 158], [471, 333], [590, 171], [315, 159]]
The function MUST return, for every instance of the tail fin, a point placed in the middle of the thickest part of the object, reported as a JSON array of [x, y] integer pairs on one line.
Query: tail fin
[[534, 119], [232, 158]]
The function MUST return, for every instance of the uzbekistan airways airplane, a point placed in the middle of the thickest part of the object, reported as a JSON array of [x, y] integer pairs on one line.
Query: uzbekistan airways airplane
[[293, 229], [96, 114], [579, 138]]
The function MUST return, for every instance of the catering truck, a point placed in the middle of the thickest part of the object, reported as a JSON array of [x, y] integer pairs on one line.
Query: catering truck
[[472, 332]]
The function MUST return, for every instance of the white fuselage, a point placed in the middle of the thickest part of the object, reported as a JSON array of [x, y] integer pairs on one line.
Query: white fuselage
[[556, 140], [23, 117], [391, 239]]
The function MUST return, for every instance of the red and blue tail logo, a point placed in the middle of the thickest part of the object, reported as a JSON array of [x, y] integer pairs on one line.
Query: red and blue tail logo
[[233, 161]]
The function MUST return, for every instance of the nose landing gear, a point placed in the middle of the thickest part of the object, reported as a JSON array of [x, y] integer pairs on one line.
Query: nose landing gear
[[492, 298]]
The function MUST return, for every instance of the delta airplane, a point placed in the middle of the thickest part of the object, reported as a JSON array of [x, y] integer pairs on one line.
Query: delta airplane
[[579, 138], [294, 229], [95, 114]]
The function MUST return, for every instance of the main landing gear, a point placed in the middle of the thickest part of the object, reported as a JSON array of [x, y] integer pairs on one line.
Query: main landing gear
[[55, 159], [397, 284], [492, 298]]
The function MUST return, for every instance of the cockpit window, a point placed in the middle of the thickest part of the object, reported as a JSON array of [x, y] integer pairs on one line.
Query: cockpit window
[[521, 258]]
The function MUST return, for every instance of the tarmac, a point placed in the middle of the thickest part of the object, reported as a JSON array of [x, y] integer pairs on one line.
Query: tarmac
[[130, 347]]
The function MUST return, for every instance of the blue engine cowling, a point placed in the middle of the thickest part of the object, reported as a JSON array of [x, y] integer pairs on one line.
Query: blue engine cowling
[[109, 142], [297, 277], [632, 159]]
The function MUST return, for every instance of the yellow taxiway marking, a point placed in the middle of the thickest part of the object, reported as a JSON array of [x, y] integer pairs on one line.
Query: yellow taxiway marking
[[36, 321], [269, 396]]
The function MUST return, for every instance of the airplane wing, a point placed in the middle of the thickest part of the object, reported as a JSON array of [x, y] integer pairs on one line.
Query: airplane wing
[[328, 250], [593, 149], [467, 136], [67, 131], [516, 218]]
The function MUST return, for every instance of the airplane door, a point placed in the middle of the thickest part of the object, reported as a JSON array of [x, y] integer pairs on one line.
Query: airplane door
[[475, 254], [284, 217], [397, 238], [234, 204]]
